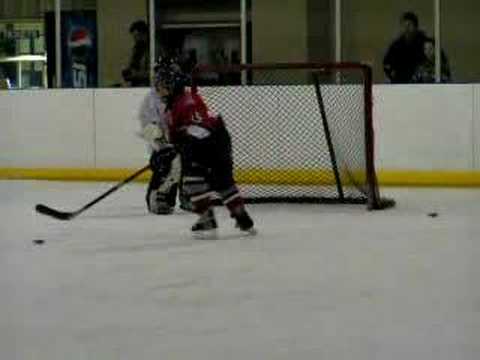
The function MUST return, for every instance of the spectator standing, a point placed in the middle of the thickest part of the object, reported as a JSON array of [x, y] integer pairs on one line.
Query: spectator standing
[[138, 71], [425, 72], [406, 52]]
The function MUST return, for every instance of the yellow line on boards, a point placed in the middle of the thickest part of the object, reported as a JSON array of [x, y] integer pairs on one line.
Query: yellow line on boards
[[429, 178], [294, 177], [69, 174]]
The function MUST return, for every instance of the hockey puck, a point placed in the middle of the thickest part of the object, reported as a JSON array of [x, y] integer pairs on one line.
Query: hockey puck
[[433, 214], [38, 242]]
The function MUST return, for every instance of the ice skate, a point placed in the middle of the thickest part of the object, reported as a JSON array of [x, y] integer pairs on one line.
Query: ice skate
[[244, 222], [206, 226]]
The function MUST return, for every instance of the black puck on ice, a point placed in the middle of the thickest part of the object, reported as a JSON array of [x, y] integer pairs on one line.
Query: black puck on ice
[[39, 242], [433, 214]]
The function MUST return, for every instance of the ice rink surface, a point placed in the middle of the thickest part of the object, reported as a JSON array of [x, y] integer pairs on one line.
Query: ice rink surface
[[317, 282]]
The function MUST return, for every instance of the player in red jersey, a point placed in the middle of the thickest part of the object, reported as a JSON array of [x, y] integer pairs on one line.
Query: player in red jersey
[[206, 150]]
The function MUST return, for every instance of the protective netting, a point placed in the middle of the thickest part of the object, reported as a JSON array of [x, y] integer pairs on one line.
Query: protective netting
[[300, 132]]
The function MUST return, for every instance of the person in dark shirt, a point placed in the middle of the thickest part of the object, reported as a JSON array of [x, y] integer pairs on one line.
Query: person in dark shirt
[[406, 52], [138, 71]]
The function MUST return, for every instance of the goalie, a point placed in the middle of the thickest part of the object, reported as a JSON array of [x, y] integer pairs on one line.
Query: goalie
[[205, 146], [166, 175]]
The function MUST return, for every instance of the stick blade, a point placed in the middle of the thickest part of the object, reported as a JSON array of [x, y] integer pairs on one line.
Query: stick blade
[[59, 215]]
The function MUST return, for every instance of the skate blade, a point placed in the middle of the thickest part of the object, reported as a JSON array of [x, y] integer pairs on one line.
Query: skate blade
[[206, 234], [249, 232]]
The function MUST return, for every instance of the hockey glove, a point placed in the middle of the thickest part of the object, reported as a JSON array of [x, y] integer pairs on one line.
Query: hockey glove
[[161, 160], [153, 135]]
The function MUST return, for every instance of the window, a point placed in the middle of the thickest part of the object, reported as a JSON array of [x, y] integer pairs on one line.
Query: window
[[207, 33], [460, 40], [23, 53]]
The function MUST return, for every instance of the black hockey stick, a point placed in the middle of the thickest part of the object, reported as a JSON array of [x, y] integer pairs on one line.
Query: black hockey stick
[[65, 215]]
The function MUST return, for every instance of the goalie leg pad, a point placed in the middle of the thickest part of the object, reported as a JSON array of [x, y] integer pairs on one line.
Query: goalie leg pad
[[162, 160], [162, 189], [160, 203]]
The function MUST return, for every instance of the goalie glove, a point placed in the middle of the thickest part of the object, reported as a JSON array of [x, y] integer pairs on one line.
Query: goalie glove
[[161, 160], [154, 136]]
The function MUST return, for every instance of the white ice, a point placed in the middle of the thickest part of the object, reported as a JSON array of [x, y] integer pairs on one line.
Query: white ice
[[317, 282]]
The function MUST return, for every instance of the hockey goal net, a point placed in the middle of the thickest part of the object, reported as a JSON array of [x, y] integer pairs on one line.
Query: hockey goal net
[[300, 132]]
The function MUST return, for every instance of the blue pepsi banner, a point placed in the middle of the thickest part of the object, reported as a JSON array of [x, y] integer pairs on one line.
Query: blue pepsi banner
[[79, 49]]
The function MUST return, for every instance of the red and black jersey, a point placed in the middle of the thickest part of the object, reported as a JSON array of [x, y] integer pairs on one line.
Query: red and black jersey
[[189, 109]]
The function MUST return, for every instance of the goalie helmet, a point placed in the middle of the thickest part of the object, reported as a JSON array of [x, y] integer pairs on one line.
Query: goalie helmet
[[169, 75]]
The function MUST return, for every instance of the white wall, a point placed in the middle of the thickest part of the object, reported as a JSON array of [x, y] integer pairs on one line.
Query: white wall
[[47, 129], [423, 127], [115, 114], [476, 127]]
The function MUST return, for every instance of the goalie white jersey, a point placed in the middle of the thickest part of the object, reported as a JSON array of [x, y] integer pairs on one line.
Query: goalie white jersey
[[162, 188], [152, 118]]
